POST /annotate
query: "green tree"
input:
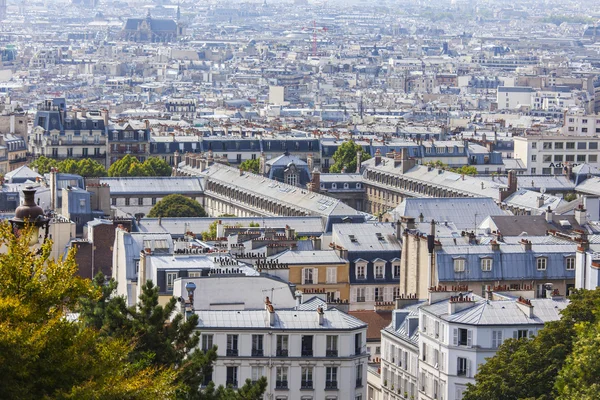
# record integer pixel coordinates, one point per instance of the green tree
(528, 369)
(251, 166)
(345, 157)
(173, 346)
(157, 167)
(123, 166)
(85, 167)
(211, 234)
(254, 225)
(43, 164)
(46, 354)
(177, 205)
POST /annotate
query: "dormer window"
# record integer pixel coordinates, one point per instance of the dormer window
(486, 264)
(459, 264)
(346, 186)
(541, 263)
(570, 263)
(334, 185)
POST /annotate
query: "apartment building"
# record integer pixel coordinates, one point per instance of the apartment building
(553, 154)
(306, 353)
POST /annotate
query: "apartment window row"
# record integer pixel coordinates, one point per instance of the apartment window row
(378, 270)
(432, 386)
(310, 276)
(487, 263)
(374, 293)
(548, 158)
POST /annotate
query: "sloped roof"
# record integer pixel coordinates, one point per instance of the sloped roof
(376, 321)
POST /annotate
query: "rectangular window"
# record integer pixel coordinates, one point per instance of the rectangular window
(593, 145)
(358, 345)
(547, 145)
(547, 158)
(486, 264)
(534, 145)
(140, 201)
(396, 270)
(570, 263)
(463, 337)
(307, 345)
(496, 339)
(257, 373)
(461, 367)
(592, 158)
(580, 157)
(306, 378)
(558, 145)
(207, 342)
(570, 145)
(541, 263)
(378, 294)
(570, 157)
(360, 272)
(331, 378)
(360, 294)
(194, 274)
(520, 334)
(282, 345)
(257, 345)
(533, 158)
(332, 346)
(307, 276)
(359, 375)
(546, 171)
(331, 274)
(533, 170)
(232, 345)
(127, 201)
(459, 265)
(281, 380)
(582, 145)
(171, 276)
(379, 271)
(232, 377)
(558, 158)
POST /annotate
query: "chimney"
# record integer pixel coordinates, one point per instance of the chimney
(310, 162)
(316, 242)
(580, 215)
(459, 303)
(321, 315)
(407, 163)
(526, 244)
(377, 157)
(495, 245)
(262, 164)
(549, 215)
(298, 296)
(398, 158)
(540, 201)
(270, 311)
(525, 306)
(315, 182)
(358, 161)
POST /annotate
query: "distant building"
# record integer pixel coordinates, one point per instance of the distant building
(150, 29)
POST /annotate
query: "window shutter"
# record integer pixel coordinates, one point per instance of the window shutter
(303, 275)
(315, 272)
(468, 368)
(530, 334)
(455, 337)
(353, 295)
(469, 338)
(499, 338)
(494, 339)
(370, 293)
(387, 293)
(515, 335)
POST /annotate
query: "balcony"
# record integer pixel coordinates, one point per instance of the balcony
(331, 385)
(281, 353)
(378, 276)
(232, 352)
(306, 384)
(378, 298)
(281, 384)
(257, 352)
(308, 282)
(17, 160)
(360, 299)
(461, 372)
(331, 353)
(307, 353)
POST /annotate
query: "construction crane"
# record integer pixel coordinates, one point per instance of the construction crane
(314, 36)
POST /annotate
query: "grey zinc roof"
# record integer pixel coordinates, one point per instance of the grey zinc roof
(459, 211)
(528, 199)
(304, 226)
(590, 186)
(284, 320)
(313, 203)
(501, 312)
(365, 237)
(350, 178)
(153, 185)
(309, 257)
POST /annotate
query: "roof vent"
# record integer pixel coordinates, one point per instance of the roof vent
(353, 238)
(565, 223)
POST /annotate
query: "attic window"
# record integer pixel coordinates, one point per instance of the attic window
(380, 237)
(353, 238)
(565, 223)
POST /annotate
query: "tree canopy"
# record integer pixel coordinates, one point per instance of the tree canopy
(211, 234)
(131, 166)
(560, 363)
(46, 354)
(251, 166)
(177, 205)
(345, 157)
(85, 167)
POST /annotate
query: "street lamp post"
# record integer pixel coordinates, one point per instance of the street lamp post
(30, 214)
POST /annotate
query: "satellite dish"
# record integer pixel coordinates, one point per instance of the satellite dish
(542, 190)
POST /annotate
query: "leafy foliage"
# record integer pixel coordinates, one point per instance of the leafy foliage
(465, 170)
(529, 368)
(173, 346)
(251, 166)
(211, 234)
(85, 167)
(131, 166)
(177, 205)
(44, 354)
(345, 157)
